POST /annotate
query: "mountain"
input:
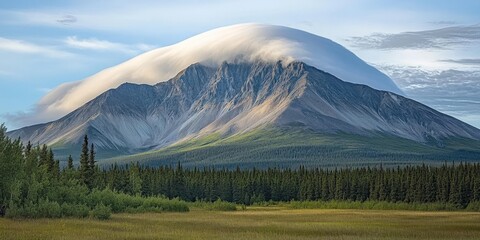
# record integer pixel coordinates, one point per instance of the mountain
(258, 94)
(238, 98)
(233, 44)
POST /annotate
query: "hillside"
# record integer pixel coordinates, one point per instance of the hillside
(292, 147)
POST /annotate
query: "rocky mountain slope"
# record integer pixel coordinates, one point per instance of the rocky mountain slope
(236, 98)
(233, 44)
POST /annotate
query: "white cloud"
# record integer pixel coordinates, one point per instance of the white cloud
(248, 42)
(104, 45)
(450, 91)
(19, 46)
(465, 61)
(44, 90)
(436, 38)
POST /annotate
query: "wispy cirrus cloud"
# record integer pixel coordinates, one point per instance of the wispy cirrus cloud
(67, 19)
(20, 46)
(104, 45)
(437, 38)
(464, 61)
(443, 22)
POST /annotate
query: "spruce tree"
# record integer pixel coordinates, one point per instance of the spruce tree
(91, 166)
(84, 163)
(43, 156)
(91, 159)
(70, 162)
(56, 169)
(135, 180)
(50, 161)
(28, 149)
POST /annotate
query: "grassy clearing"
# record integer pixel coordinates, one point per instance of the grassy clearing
(255, 223)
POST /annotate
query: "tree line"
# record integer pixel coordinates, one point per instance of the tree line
(456, 184)
(33, 185)
(30, 176)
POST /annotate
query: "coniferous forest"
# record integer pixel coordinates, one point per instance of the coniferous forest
(33, 184)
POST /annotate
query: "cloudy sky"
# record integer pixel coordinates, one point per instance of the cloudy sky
(431, 49)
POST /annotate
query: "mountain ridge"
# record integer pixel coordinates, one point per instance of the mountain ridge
(242, 43)
(238, 98)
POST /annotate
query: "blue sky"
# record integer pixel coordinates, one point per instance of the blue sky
(431, 49)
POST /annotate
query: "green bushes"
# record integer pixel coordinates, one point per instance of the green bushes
(42, 209)
(48, 209)
(96, 203)
(75, 210)
(121, 202)
(218, 205)
(163, 204)
(101, 212)
(375, 205)
(473, 206)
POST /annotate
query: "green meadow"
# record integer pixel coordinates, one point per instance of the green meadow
(254, 223)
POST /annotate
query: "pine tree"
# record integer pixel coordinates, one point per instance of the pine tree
(56, 169)
(476, 189)
(135, 180)
(84, 163)
(31, 161)
(70, 162)
(28, 149)
(50, 161)
(91, 159)
(92, 173)
(43, 156)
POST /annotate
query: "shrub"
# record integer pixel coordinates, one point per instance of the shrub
(377, 205)
(47, 209)
(164, 204)
(101, 212)
(473, 206)
(220, 205)
(13, 211)
(74, 210)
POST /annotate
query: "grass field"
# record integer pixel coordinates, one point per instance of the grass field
(255, 223)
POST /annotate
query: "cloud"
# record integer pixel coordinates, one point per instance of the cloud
(244, 42)
(104, 45)
(19, 46)
(465, 61)
(437, 38)
(443, 22)
(42, 111)
(450, 91)
(67, 19)
(44, 90)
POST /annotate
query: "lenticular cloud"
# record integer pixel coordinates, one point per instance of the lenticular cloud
(244, 42)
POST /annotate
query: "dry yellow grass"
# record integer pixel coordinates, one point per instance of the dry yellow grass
(255, 223)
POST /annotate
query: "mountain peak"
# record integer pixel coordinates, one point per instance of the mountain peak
(231, 44)
(236, 98)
